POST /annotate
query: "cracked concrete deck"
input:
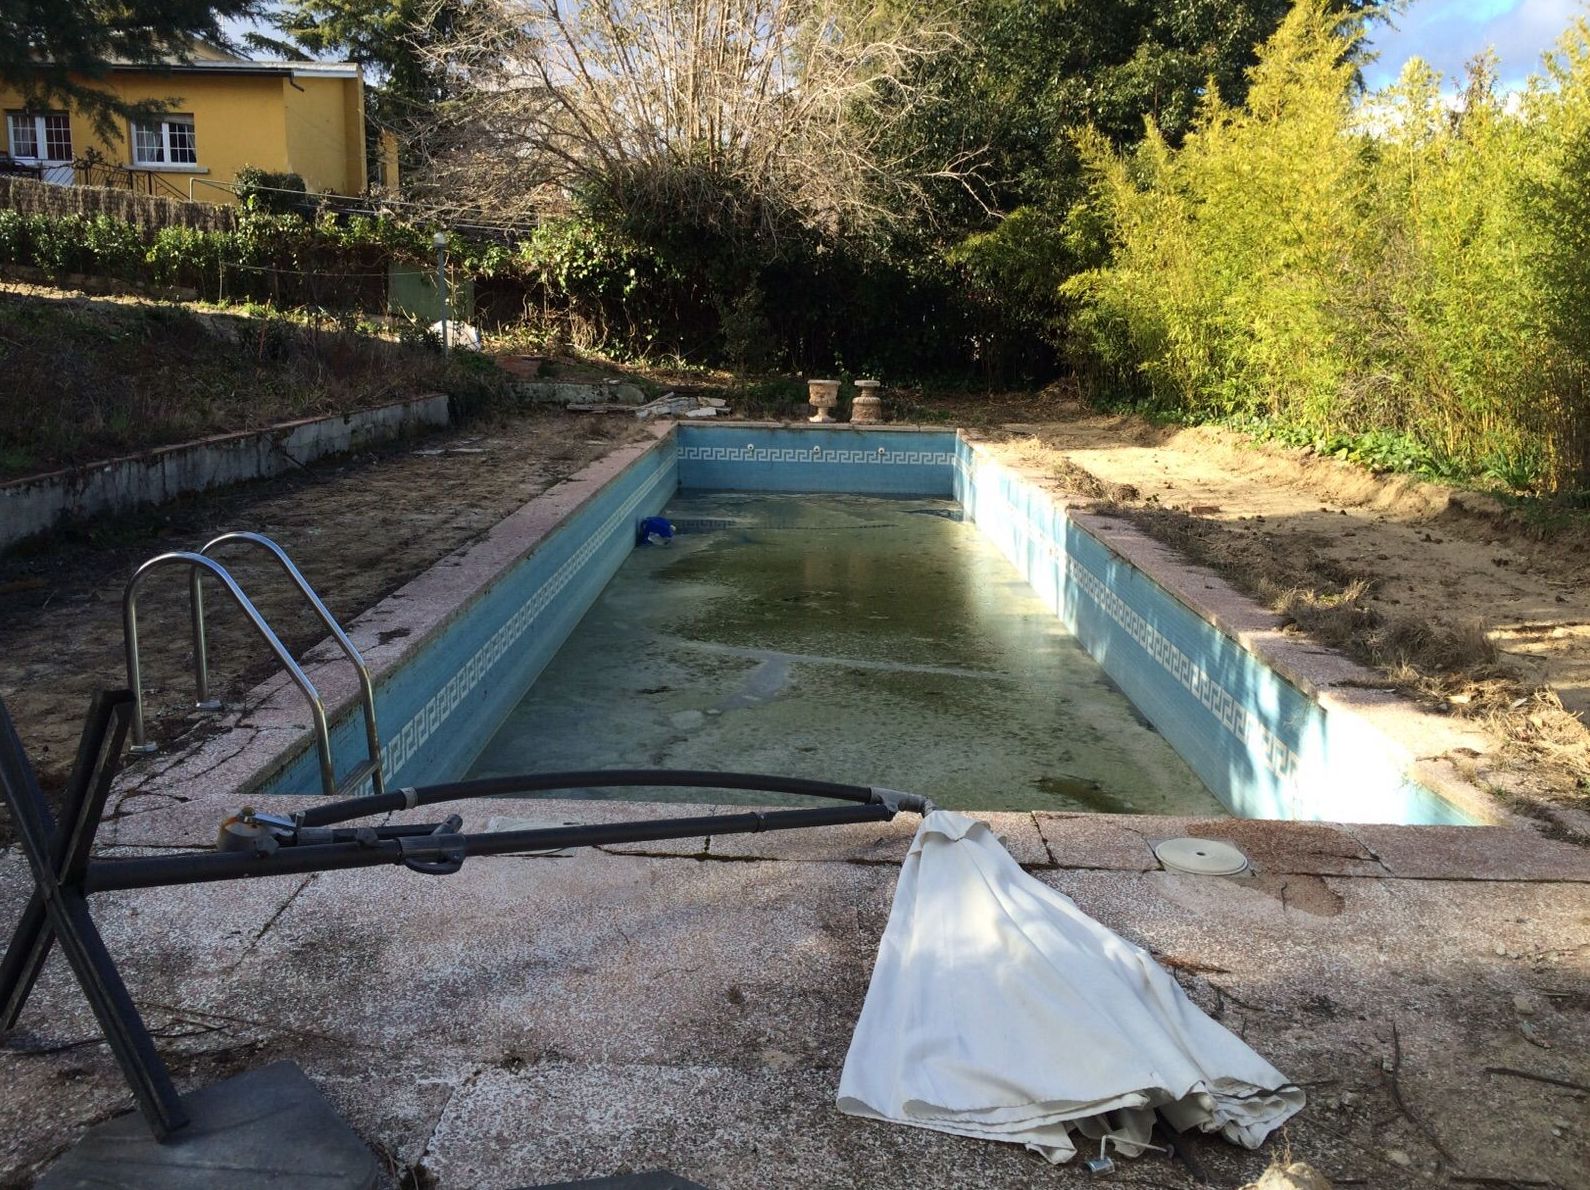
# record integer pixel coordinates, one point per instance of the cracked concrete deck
(688, 1004)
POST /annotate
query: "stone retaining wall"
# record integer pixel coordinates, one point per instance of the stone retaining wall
(36, 504)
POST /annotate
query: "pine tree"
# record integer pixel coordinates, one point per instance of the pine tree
(58, 52)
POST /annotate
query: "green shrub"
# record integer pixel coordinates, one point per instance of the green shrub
(113, 248)
(277, 193)
(187, 257)
(280, 258)
(747, 334)
(13, 232)
(1407, 286)
(56, 243)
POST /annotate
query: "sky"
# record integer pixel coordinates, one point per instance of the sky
(1447, 33)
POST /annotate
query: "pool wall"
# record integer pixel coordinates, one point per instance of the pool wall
(449, 697)
(1263, 746)
(863, 462)
(1267, 746)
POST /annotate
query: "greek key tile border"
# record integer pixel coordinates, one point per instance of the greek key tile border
(1242, 723)
(881, 455)
(1227, 708)
(425, 722)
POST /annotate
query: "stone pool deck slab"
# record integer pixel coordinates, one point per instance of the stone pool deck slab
(876, 842)
(595, 958)
(1126, 843)
(533, 1019)
(1439, 852)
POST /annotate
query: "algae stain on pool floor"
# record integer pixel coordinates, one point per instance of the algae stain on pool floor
(854, 638)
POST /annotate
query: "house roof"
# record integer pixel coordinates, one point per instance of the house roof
(323, 70)
(205, 58)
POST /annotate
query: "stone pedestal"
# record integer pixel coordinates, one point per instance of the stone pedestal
(822, 395)
(269, 1127)
(867, 407)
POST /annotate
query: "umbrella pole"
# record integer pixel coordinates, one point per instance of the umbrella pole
(1178, 1148)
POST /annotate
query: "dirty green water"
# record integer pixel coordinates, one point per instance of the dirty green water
(864, 639)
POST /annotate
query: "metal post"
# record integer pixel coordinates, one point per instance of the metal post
(201, 653)
(129, 623)
(440, 240)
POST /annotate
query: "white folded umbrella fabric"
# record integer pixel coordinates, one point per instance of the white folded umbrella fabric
(998, 1009)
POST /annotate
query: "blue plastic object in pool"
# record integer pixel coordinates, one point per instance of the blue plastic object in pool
(654, 530)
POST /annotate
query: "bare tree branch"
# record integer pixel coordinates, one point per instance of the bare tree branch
(755, 117)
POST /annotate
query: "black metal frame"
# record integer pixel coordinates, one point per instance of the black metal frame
(64, 874)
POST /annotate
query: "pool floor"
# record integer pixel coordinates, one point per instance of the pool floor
(866, 639)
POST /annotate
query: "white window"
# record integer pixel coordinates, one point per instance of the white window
(45, 137)
(164, 140)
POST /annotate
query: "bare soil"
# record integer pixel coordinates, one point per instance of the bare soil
(359, 528)
(1479, 608)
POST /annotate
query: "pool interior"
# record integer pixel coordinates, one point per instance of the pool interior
(870, 639)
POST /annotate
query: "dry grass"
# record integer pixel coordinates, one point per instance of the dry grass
(87, 379)
(1427, 658)
(1453, 668)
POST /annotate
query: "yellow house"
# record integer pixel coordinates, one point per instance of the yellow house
(224, 113)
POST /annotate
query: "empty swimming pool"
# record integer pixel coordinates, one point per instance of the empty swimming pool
(849, 637)
(827, 612)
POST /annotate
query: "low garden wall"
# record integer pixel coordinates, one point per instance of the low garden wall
(37, 504)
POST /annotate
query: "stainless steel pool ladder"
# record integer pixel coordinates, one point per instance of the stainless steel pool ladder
(197, 564)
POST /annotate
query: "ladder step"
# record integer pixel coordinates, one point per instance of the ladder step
(361, 772)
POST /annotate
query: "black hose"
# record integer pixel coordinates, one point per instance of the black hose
(425, 795)
(204, 867)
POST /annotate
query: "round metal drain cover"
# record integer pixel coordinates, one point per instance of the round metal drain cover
(1201, 857)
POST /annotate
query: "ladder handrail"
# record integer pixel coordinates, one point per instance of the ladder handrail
(200, 650)
(195, 563)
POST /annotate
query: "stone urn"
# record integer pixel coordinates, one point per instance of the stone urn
(866, 408)
(822, 395)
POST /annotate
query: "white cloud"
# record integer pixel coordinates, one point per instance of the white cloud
(1447, 33)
